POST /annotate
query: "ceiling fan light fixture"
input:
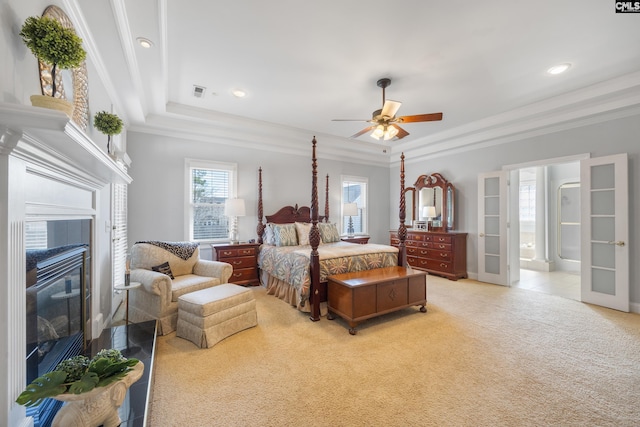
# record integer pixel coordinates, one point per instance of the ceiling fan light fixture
(391, 133)
(378, 132)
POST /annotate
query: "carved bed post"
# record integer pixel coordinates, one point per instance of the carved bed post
(314, 241)
(326, 201)
(402, 229)
(260, 228)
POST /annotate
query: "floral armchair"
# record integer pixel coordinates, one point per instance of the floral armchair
(166, 271)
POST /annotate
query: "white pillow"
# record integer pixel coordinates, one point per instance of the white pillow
(303, 229)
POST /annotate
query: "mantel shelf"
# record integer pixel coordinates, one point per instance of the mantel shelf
(51, 132)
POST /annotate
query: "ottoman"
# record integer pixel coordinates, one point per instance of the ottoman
(208, 316)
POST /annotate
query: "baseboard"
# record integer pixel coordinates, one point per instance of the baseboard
(634, 307)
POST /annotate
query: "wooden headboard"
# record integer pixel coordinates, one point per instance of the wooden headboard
(288, 214)
(291, 214)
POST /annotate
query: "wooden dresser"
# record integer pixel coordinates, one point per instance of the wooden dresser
(440, 253)
(244, 259)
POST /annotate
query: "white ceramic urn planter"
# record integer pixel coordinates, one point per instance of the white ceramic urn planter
(98, 407)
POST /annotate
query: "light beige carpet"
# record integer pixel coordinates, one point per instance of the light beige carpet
(483, 355)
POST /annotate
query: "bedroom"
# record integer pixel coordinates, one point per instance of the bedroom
(607, 123)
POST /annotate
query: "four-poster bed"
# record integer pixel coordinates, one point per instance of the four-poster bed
(297, 270)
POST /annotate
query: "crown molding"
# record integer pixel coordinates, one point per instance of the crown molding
(609, 100)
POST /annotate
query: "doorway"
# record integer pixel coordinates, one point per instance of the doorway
(545, 225)
(604, 228)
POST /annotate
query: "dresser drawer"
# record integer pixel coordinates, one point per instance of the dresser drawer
(436, 265)
(417, 262)
(416, 237)
(441, 239)
(440, 255)
(242, 262)
(240, 252)
(441, 246)
(244, 274)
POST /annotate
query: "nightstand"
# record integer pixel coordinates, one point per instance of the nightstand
(363, 240)
(244, 259)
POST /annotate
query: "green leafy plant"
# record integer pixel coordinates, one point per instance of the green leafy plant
(78, 375)
(109, 124)
(53, 44)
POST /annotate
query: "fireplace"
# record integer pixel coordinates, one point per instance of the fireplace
(52, 174)
(58, 305)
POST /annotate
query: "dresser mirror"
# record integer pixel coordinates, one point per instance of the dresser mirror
(410, 203)
(433, 202)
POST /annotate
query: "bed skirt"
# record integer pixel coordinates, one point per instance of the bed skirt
(286, 292)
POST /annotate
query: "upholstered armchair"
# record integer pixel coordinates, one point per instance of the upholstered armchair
(166, 271)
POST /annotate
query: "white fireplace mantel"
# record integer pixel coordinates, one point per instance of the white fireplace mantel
(53, 138)
(49, 167)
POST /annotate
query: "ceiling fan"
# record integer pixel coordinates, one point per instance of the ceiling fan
(384, 123)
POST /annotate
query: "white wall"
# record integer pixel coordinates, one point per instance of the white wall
(462, 169)
(157, 195)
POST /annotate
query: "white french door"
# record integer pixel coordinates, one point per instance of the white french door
(492, 228)
(605, 231)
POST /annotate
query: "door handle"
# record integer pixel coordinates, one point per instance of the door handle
(618, 243)
(481, 234)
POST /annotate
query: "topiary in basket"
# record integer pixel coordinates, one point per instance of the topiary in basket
(109, 124)
(52, 44)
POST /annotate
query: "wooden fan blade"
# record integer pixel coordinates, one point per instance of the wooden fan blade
(363, 131)
(351, 120)
(401, 132)
(390, 108)
(420, 118)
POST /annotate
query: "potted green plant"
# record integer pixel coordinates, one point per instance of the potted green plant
(56, 46)
(109, 124)
(83, 383)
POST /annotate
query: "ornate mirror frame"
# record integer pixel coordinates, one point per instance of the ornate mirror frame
(76, 80)
(443, 193)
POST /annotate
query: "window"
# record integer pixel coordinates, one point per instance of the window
(119, 243)
(209, 184)
(527, 206)
(354, 190)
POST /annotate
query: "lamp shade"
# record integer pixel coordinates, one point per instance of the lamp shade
(234, 207)
(350, 209)
(429, 211)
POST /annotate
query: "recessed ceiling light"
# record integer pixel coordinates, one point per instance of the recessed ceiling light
(239, 93)
(559, 69)
(145, 43)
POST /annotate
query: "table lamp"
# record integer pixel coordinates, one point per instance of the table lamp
(233, 208)
(429, 212)
(350, 209)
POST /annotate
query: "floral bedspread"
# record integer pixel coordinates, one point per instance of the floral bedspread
(291, 263)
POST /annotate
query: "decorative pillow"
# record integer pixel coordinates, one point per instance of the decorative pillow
(163, 268)
(285, 234)
(303, 229)
(268, 238)
(328, 232)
